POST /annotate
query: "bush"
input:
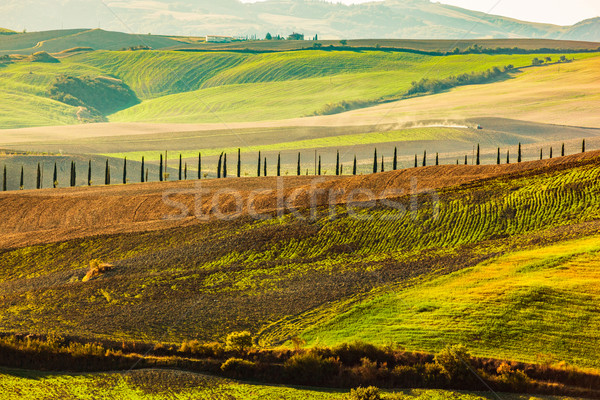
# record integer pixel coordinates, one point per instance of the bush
(238, 368)
(310, 368)
(368, 393)
(456, 362)
(239, 341)
(515, 378)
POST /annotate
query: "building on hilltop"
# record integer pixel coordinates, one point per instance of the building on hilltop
(218, 39)
(296, 36)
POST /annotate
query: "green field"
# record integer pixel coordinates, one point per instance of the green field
(179, 87)
(160, 384)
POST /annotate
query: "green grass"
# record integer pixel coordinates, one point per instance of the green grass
(182, 87)
(536, 305)
(160, 384)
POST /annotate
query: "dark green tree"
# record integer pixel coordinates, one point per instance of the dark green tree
(551, 155)
(225, 165)
(583, 146)
(478, 162)
(259, 161)
(298, 166)
(73, 174)
(107, 173)
(382, 165)
(125, 171)
(466, 161)
(337, 163)
(395, 160)
(219, 165)
(185, 171)
(520, 155)
(498, 158)
(562, 152)
(319, 170)
(142, 169)
(265, 167)
(508, 156)
(279, 164)
(437, 158)
(4, 182)
(416, 162)
(239, 163)
(375, 162)
(22, 182)
(425, 158)
(180, 167)
(354, 166)
(38, 180)
(89, 180)
(55, 177)
(160, 168)
(541, 154)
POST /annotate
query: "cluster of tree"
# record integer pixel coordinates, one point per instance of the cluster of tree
(342, 366)
(540, 61)
(426, 85)
(137, 47)
(478, 49)
(271, 37)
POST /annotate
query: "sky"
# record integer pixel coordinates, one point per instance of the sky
(559, 12)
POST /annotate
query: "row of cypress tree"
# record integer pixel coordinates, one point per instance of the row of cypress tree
(222, 172)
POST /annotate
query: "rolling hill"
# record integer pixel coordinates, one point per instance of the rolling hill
(386, 19)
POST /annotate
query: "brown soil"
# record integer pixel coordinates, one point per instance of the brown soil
(51, 215)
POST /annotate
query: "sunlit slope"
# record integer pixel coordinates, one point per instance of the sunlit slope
(270, 86)
(528, 304)
(566, 94)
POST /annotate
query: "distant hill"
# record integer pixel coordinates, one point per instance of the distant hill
(4, 31)
(97, 39)
(382, 19)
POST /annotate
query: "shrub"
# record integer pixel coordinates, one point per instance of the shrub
(239, 341)
(361, 393)
(455, 360)
(310, 368)
(238, 368)
(406, 376)
(515, 378)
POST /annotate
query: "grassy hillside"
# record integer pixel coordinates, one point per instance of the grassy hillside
(224, 87)
(263, 275)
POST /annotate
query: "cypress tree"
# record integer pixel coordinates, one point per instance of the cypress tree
(199, 166)
(508, 156)
(279, 164)
(225, 166)
(298, 167)
(166, 165)
(375, 162)
(107, 173)
(160, 169)
(4, 180)
(551, 152)
(457, 161)
(354, 166)
(55, 177)
(125, 171)
(219, 164)
(425, 158)
(265, 167)
(498, 159)
(382, 169)
(478, 162)
(142, 169)
(239, 163)
(466, 161)
(583, 146)
(437, 159)
(89, 181)
(319, 171)
(38, 181)
(22, 184)
(337, 163)
(341, 169)
(519, 156)
(395, 160)
(185, 172)
(562, 152)
(541, 154)
(258, 169)
(416, 161)
(73, 174)
(180, 166)
(146, 174)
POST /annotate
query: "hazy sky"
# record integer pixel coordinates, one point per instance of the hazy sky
(560, 12)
